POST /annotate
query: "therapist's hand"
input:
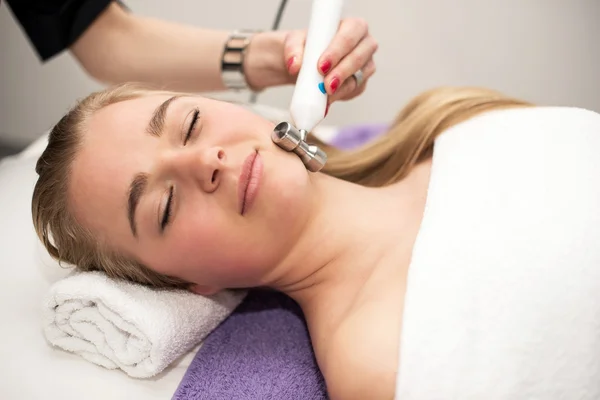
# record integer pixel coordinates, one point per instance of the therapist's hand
(351, 49)
(275, 58)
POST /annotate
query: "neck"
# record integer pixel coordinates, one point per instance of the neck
(350, 228)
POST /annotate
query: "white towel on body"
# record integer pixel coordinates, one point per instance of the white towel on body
(503, 294)
(118, 324)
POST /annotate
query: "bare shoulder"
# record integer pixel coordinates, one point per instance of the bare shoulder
(359, 356)
(361, 360)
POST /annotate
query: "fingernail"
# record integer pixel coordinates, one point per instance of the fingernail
(325, 66)
(335, 82)
(326, 110)
(290, 61)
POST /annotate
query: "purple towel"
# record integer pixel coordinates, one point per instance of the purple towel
(353, 136)
(262, 351)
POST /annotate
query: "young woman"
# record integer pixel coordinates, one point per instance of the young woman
(173, 190)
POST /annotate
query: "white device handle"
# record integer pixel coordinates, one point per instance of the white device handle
(309, 100)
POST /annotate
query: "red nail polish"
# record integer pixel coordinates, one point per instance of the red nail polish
(326, 110)
(290, 61)
(335, 82)
(326, 66)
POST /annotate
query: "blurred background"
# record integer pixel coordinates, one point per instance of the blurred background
(544, 51)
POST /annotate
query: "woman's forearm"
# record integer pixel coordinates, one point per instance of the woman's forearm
(121, 47)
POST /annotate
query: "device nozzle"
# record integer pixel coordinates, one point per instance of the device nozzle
(289, 138)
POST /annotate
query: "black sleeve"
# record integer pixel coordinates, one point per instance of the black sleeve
(53, 25)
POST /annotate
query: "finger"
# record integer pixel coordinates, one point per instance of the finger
(340, 82)
(349, 34)
(293, 50)
(350, 89)
(358, 58)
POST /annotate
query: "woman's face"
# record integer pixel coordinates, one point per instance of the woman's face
(191, 187)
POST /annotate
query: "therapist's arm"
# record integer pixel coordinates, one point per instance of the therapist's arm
(121, 47)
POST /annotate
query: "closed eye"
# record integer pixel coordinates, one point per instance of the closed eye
(166, 217)
(193, 122)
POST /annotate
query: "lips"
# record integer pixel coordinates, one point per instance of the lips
(249, 181)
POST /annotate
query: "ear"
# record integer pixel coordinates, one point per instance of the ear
(204, 290)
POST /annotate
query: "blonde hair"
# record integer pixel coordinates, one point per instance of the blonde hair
(381, 162)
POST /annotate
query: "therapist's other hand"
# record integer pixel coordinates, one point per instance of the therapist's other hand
(351, 49)
(274, 58)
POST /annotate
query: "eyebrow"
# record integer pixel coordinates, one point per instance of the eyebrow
(136, 190)
(157, 122)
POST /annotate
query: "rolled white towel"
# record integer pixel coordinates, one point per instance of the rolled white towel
(131, 327)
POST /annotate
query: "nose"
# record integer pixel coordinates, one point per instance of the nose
(199, 166)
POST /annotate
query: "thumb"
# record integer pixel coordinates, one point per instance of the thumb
(293, 51)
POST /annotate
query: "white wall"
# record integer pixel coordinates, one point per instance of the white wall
(542, 50)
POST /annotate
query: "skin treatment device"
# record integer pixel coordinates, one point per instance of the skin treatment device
(309, 101)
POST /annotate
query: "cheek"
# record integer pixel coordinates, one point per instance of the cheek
(201, 235)
(288, 193)
(215, 249)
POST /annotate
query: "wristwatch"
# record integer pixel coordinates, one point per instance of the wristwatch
(232, 60)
